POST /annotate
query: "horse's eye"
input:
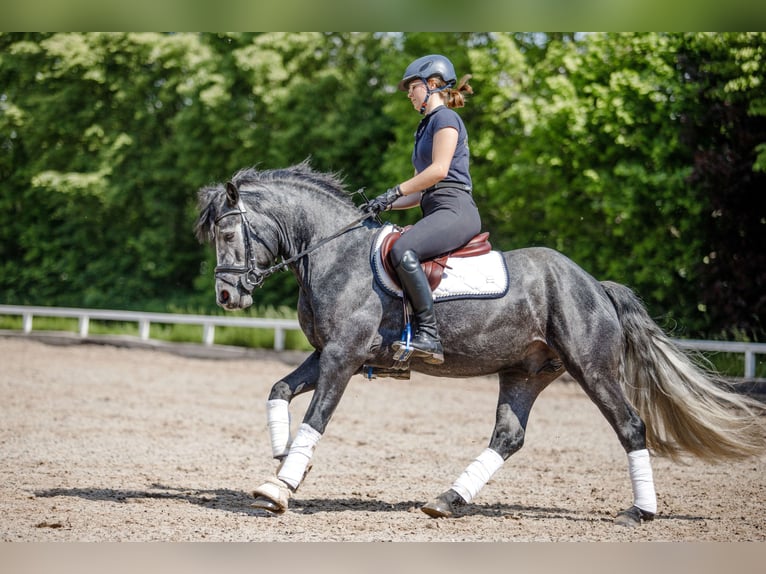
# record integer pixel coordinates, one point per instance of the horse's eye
(229, 236)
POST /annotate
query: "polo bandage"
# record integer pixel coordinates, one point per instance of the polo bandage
(477, 474)
(640, 468)
(278, 416)
(294, 467)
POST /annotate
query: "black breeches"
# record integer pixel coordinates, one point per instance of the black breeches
(450, 220)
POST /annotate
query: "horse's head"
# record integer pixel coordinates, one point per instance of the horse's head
(242, 257)
(259, 216)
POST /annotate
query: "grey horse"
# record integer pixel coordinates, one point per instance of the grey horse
(554, 318)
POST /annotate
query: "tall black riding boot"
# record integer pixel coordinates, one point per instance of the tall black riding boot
(425, 342)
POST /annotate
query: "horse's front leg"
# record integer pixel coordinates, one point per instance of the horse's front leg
(273, 494)
(334, 369)
(301, 380)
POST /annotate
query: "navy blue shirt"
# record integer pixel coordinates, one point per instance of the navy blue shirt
(422, 154)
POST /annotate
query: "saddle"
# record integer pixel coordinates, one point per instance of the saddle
(434, 267)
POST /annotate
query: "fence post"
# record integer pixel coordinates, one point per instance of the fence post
(143, 329)
(279, 339)
(208, 334)
(749, 365)
(26, 322)
(84, 322)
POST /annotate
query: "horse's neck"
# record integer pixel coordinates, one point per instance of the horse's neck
(304, 217)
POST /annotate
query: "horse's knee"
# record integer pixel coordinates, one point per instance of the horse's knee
(301, 380)
(281, 390)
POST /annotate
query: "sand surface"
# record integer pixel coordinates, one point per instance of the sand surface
(101, 443)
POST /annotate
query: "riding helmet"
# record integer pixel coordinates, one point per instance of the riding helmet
(427, 66)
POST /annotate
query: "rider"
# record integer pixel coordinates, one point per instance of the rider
(441, 186)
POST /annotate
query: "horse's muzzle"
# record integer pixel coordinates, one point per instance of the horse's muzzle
(232, 292)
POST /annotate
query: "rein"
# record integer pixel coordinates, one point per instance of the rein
(251, 276)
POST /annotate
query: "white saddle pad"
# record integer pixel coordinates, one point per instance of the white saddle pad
(478, 277)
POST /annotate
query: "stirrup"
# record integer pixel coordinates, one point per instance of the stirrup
(433, 358)
(403, 349)
(406, 349)
(430, 357)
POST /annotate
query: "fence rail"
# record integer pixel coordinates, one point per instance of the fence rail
(144, 320)
(280, 326)
(750, 350)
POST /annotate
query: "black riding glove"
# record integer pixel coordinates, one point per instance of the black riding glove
(384, 201)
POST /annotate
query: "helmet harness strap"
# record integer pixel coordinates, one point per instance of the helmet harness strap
(429, 91)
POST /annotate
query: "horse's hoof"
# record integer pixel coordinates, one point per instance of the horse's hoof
(444, 505)
(273, 495)
(632, 517)
(263, 503)
(437, 509)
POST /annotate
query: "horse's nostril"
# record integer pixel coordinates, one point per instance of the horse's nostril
(224, 296)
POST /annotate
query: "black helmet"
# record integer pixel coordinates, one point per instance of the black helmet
(427, 66)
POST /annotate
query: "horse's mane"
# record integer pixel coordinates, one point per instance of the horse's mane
(301, 174)
(211, 198)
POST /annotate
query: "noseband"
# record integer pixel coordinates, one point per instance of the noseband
(250, 275)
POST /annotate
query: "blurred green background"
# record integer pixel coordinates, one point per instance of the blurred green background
(640, 155)
(365, 15)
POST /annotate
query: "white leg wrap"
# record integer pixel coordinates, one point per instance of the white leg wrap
(301, 450)
(278, 415)
(640, 468)
(477, 474)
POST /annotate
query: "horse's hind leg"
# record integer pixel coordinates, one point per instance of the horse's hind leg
(517, 395)
(602, 386)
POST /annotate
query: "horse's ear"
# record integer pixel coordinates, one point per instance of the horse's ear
(232, 194)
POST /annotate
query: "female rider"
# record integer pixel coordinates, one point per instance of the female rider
(441, 186)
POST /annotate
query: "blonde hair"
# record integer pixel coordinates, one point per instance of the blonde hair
(454, 97)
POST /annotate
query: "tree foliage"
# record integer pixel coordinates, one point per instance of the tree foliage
(641, 156)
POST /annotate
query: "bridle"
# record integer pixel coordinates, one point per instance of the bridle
(251, 276)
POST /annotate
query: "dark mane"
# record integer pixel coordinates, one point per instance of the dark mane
(211, 198)
(301, 175)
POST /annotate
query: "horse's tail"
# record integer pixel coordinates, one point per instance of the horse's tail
(686, 407)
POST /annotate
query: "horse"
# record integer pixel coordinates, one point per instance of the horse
(554, 318)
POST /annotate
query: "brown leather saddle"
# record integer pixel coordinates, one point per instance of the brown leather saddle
(433, 268)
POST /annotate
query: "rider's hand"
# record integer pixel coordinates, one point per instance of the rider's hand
(384, 201)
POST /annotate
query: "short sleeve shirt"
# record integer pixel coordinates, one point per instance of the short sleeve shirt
(422, 154)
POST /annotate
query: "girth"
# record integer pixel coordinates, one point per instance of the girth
(433, 268)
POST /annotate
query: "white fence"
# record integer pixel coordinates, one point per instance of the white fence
(210, 322)
(749, 349)
(144, 320)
